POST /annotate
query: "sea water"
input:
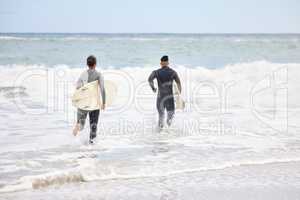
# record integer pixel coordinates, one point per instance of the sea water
(238, 137)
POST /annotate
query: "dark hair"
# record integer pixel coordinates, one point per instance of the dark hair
(164, 59)
(91, 61)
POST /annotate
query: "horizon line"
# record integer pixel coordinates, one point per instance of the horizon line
(182, 33)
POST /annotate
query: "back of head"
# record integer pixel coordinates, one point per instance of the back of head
(164, 59)
(91, 61)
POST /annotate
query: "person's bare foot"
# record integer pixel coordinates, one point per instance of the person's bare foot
(76, 129)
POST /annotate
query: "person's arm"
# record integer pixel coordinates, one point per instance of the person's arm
(82, 80)
(150, 80)
(177, 80)
(79, 83)
(102, 89)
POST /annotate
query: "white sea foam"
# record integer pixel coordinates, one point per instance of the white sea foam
(91, 171)
(11, 38)
(220, 130)
(237, 80)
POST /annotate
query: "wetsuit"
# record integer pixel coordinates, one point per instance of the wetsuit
(165, 98)
(88, 76)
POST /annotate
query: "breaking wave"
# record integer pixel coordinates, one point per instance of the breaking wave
(91, 172)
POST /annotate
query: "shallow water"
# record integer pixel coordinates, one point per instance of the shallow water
(237, 138)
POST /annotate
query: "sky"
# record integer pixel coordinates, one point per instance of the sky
(151, 16)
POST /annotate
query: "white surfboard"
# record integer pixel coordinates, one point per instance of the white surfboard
(179, 102)
(88, 97)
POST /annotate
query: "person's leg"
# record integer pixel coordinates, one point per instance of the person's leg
(94, 116)
(170, 117)
(161, 112)
(170, 106)
(81, 117)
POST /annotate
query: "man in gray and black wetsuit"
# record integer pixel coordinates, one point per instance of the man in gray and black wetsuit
(88, 76)
(165, 98)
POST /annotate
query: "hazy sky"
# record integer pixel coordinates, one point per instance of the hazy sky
(179, 16)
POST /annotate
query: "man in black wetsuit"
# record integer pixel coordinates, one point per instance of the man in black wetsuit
(165, 98)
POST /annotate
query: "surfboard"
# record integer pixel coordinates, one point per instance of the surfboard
(88, 97)
(179, 102)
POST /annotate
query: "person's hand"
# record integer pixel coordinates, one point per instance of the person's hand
(76, 129)
(103, 107)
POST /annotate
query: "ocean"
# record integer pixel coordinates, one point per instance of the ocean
(238, 137)
(140, 50)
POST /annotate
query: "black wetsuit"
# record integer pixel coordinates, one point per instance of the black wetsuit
(165, 98)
